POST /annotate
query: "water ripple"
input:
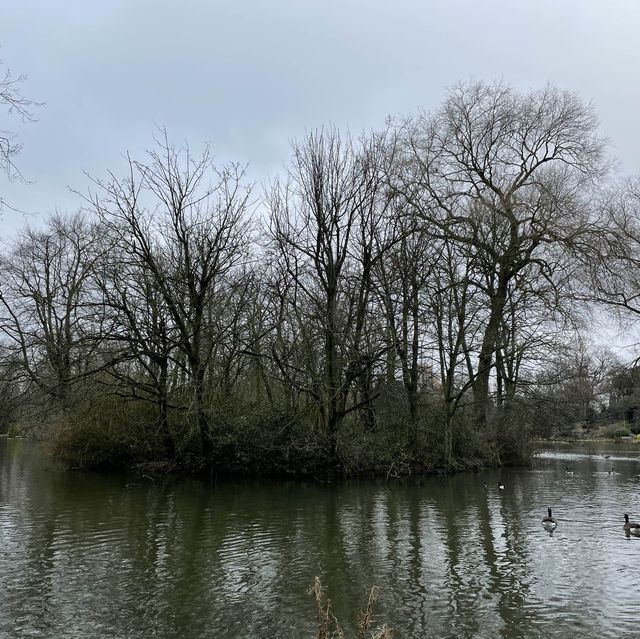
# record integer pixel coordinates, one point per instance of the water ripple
(93, 556)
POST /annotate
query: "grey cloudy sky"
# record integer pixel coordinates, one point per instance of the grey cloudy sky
(248, 75)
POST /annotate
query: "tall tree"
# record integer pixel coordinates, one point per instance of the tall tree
(402, 282)
(138, 334)
(504, 174)
(325, 223)
(43, 304)
(184, 223)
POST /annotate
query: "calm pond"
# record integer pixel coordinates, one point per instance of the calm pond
(88, 556)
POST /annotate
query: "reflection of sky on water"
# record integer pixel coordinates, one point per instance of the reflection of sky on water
(104, 556)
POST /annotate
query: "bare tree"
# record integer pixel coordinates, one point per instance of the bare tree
(507, 175)
(16, 104)
(455, 308)
(137, 332)
(612, 268)
(44, 317)
(402, 281)
(325, 225)
(183, 222)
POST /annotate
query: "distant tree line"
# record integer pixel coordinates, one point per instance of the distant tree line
(406, 299)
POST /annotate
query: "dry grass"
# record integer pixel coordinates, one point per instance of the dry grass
(329, 626)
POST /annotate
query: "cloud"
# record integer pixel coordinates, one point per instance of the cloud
(249, 75)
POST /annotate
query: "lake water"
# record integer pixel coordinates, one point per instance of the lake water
(93, 556)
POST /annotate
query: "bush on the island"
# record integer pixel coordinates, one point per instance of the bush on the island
(616, 431)
(104, 435)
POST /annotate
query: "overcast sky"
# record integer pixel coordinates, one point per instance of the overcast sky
(249, 75)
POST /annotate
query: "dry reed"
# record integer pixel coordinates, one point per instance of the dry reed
(329, 626)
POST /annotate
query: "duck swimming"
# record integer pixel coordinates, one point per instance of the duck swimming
(631, 527)
(549, 522)
(500, 486)
(566, 470)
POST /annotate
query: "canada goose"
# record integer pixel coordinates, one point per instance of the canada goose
(500, 486)
(631, 527)
(606, 456)
(484, 483)
(566, 470)
(612, 471)
(549, 522)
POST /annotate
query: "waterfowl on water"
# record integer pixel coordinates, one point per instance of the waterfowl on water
(484, 483)
(612, 471)
(631, 527)
(606, 456)
(500, 486)
(566, 470)
(549, 522)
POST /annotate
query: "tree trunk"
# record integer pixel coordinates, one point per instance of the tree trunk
(163, 410)
(487, 350)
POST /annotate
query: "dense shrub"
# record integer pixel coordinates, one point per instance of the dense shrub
(262, 439)
(635, 428)
(267, 440)
(105, 434)
(8, 406)
(615, 431)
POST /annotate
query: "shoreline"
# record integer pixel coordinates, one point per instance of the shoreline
(323, 471)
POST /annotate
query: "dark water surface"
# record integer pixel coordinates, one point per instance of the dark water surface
(91, 556)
